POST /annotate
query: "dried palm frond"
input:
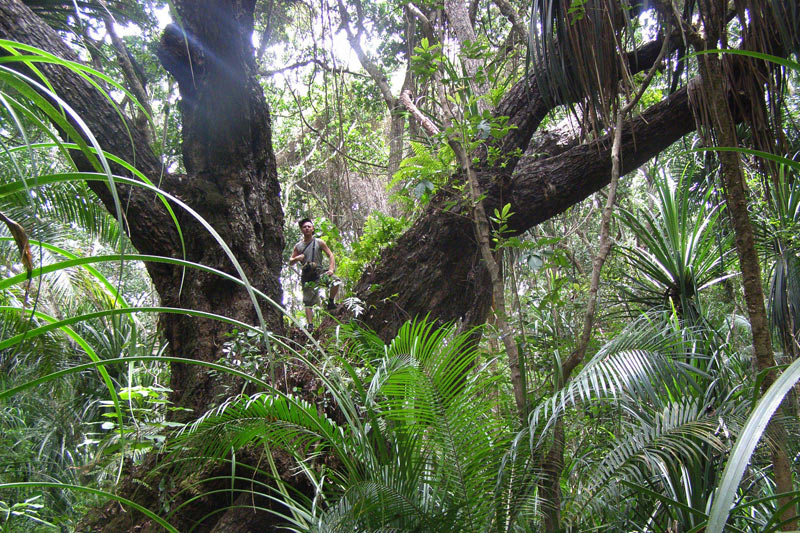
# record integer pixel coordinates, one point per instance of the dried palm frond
(579, 44)
(754, 84)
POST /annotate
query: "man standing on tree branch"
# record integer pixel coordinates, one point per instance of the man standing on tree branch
(309, 253)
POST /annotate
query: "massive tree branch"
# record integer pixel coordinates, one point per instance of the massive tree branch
(517, 25)
(526, 106)
(541, 189)
(435, 267)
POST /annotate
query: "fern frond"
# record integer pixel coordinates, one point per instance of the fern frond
(281, 421)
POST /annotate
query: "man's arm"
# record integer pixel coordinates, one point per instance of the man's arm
(296, 256)
(332, 265)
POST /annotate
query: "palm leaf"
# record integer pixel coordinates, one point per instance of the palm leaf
(739, 458)
(419, 448)
(643, 361)
(657, 449)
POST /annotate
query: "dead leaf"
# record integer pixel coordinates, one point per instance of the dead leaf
(21, 239)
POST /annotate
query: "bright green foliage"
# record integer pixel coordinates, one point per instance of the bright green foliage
(667, 424)
(779, 227)
(421, 175)
(679, 254)
(380, 231)
(418, 448)
(54, 433)
(409, 435)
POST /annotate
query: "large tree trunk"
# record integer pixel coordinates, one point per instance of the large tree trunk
(231, 177)
(231, 182)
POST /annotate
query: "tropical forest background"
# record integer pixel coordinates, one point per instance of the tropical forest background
(568, 235)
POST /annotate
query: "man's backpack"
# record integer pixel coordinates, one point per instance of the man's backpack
(310, 271)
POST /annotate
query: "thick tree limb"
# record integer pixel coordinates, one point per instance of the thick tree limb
(526, 106)
(544, 188)
(132, 76)
(435, 267)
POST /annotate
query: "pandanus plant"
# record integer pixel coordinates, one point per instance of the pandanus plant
(679, 254)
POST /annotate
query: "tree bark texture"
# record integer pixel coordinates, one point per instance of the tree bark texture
(435, 267)
(231, 176)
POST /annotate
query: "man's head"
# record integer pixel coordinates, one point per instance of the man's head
(306, 226)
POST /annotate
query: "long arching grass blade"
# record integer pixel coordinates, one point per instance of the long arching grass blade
(60, 324)
(55, 178)
(124, 360)
(41, 484)
(76, 260)
(751, 433)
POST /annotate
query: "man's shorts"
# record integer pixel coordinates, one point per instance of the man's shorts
(311, 289)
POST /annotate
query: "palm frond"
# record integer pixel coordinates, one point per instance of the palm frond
(777, 231)
(658, 449)
(282, 420)
(751, 433)
(784, 296)
(644, 361)
(419, 449)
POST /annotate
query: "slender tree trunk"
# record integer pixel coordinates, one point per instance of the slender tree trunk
(554, 464)
(136, 86)
(555, 459)
(552, 468)
(715, 92)
(458, 16)
(483, 234)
